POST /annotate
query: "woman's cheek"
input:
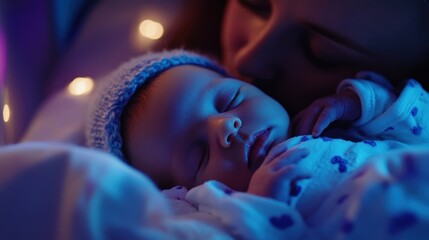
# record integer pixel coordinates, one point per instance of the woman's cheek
(238, 30)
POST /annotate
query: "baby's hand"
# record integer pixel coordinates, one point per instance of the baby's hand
(278, 172)
(317, 117)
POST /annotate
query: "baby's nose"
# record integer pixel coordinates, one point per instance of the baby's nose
(225, 128)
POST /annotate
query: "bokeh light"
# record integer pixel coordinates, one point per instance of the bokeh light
(6, 113)
(81, 86)
(151, 29)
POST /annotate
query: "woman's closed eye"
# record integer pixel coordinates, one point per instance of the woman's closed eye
(312, 53)
(327, 50)
(258, 7)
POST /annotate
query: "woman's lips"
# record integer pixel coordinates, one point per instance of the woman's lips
(258, 148)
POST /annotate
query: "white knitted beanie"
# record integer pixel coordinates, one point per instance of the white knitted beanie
(103, 130)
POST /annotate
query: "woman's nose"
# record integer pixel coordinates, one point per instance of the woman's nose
(224, 128)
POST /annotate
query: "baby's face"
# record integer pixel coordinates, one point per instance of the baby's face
(198, 126)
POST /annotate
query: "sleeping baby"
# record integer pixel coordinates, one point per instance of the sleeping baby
(179, 118)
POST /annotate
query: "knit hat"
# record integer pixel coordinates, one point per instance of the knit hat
(112, 95)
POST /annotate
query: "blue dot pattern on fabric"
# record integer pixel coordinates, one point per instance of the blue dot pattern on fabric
(370, 142)
(326, 139)
(228, 191)
(347, 226)
(416, 130)
(412, 83)
(414, 111)
(336, 159)
(342, 199)
(342, 163)
(401, 222)
(342, 168)
(282, 222)
(305, 138)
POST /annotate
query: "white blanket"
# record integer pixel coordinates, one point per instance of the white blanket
(58, 191)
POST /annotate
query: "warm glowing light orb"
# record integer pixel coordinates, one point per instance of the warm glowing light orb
(80, 86)
(6, 113)
(151, 29)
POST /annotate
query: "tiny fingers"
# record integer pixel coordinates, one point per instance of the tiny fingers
(294, 172)
(291, 156)
(326, 117)
(276, 151)
(306, 120)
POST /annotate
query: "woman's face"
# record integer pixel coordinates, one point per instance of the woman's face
(299, 50)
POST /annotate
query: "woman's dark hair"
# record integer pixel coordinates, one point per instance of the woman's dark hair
(199, 28)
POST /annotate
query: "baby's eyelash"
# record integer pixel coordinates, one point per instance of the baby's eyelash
(230, 103)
